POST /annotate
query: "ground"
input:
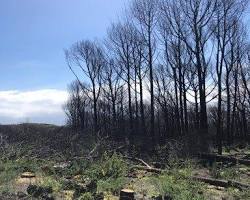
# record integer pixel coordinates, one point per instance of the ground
(44, 168)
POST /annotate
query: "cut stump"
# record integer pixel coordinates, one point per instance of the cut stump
(28, 175)
(127, 194)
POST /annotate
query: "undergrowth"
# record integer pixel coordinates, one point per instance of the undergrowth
(176, 184)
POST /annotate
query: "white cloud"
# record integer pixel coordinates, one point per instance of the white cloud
(43, 106)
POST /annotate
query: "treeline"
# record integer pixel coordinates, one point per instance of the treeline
(169, 68)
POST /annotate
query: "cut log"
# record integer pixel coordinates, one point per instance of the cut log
(127, 194)
(221, 158)
(222, 183)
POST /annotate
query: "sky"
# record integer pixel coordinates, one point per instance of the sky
(34, 34)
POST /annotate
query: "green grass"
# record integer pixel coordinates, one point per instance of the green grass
(241, 195)
(111, 185)
(10, 169)
(52, 182)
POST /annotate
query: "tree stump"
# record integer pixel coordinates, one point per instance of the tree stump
(127, 194)
(28, 175)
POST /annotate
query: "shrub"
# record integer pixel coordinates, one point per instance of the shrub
(109, 173)
(113, 166)
(182, 189)
(111, 185)
(230, 173)
(51, 182)
(86, 196)
(109, 167)
(77, 167)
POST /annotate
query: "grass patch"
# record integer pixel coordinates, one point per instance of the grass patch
(10, 169)
(111, 185)
(230, 174)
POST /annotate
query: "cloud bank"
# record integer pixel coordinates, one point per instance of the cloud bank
(39, 106)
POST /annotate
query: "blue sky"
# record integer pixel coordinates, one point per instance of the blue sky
(34, 34)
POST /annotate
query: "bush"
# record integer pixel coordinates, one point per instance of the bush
(113, 167)
(109, 167)
(109, 173)
(40, 192)
(86, 196)
(230, 173)
(177, 188)
(77, 167)
(51, 182)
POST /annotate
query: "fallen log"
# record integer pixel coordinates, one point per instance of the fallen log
(138, 160)
(211, 181)
(222, 158)
(221, 183)
(151, 169)
(238, 185)
(146, 166)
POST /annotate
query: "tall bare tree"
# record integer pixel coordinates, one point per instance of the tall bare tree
(145, 13)
(88, 57)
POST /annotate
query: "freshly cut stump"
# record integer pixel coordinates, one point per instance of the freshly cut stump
(127, 194)
(28, 175)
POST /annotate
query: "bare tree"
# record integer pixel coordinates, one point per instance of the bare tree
(112, 85)
(77, 106)
(88, 57)
(145, 12)
(120, 38)
(226, 19)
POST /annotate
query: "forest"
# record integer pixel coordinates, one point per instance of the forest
(166, 69)
(159, 110)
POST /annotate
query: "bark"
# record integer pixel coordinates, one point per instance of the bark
(151, 79)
